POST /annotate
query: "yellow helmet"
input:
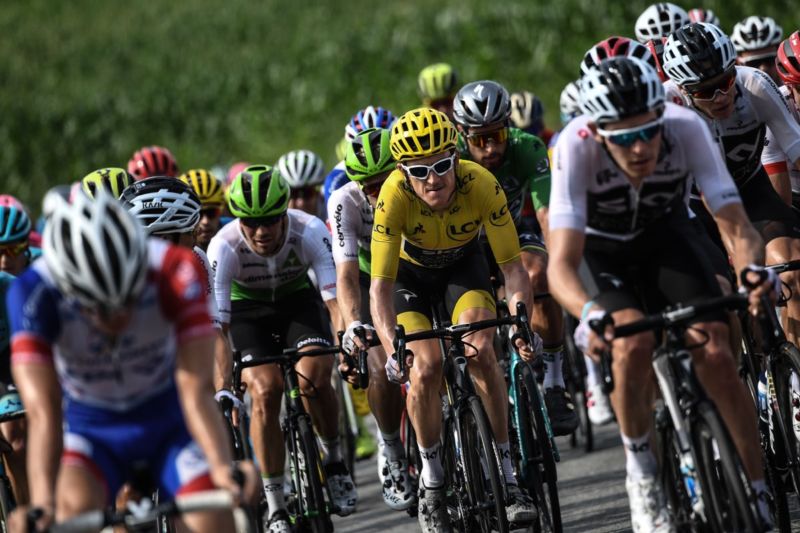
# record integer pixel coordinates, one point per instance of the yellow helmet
(206, 185)
(437, 82)
(113, 180)
(422, 132)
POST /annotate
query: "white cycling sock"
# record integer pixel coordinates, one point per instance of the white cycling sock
(273, 490)
(592, 372)
(432, 474)
(508, 468)
(639, 459)
(553, 377)
(393, 446)
(331, 450)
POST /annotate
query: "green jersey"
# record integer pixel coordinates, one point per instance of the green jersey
(525, 170)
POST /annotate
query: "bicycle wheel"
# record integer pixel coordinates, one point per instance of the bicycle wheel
(409, 438)
(784, 365)
(539, 468)
(482, 469)
(348, 439)
(7, 503)
(575, 372)
(671, 478)
(308, 478)
(726, 494)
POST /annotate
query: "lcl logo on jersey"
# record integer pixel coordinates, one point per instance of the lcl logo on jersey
(500, 217)
(457, 233)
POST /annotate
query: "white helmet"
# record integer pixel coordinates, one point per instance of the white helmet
(570, 102)
(620, 87)
(659, 20)
(95, 250)
(301, 168)
(615, 47)
(162, 205)
(704, 15)
(697, 52)
(755, 33)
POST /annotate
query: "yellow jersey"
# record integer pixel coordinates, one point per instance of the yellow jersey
(405, 227)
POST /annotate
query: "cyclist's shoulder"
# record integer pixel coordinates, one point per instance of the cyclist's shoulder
(524, 142)
(347, 193)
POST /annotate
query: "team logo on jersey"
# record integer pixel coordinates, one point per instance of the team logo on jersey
(500, 217)
(464, 232)
(292, 261)
(543, 165)
(418, 229)
(455, 209)
(383, 230)
(407, 294)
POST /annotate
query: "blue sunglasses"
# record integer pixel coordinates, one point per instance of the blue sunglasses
(629, 136)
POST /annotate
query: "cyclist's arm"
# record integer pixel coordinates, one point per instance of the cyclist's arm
(542, 215)
(517, 284)
(223, 360)
(743, 242)
(319, 244)
(348, 291)
(381, 306)
(774, 111)
(41, 395)
(344, 219)
(565, 250)
(775, 163)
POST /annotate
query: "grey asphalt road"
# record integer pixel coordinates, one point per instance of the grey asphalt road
(591, 490)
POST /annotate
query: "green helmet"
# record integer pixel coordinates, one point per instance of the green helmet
(258, 191)
(436, 82)
(368, 154)
(113, 180)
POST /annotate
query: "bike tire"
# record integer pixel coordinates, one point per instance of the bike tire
(348, 440)
(726, 493)
(540, 475)
(309, 478)
(7, 503)
(485, 485)
(575, 372)
(786, 363)
(667, 449)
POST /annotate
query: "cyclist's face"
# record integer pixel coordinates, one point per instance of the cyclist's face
(13, 259)
(305, 199)
(265, 239)
(110, 323)
(208, 226)
(436, 191)
(639, 159)
(487, 145)
(795, 90)
(719, 107)
(763, 59)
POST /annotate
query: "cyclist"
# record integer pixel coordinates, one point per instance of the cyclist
(437, 84)
(527, 114)
(569, 108)
(120, 325)
(351, 209)
(704, 15)
(15, 256)
(425, 244)
(152, 161)
(621, 172)
(112, 180)
(521, 165)
(656, 23)
(267, 303)
(304, 171)
(211, 192)
(615, 47)
(775, 161)
(756, 41)
(369, 117)
(738, 104)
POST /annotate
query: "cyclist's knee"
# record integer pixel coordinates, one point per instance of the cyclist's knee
(426, 373)
(536, 266)
(485, 359)
(716, 358)
(267, 395)
(633, 355)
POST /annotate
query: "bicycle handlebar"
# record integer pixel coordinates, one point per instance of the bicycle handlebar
(289, 355)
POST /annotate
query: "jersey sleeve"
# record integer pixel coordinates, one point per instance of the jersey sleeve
(706, 163)
(317, 241)
(540, 179)
(772, 109)
(33, 317)
(390, 213)
(344, 220)
(213, 309)
(182, 294)
(773, 158)
(500, 229)
(571, 170)
(224, 267)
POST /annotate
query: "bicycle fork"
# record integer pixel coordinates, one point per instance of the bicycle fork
(666, 377)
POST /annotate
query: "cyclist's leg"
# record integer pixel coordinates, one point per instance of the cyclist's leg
(14, 434)
(781, 250)
(88, 476)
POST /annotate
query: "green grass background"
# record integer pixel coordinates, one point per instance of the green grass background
(83, 83)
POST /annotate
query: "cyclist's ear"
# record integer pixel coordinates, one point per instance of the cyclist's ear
(593, 128)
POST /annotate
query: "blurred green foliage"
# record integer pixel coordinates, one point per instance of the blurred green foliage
(87, 82)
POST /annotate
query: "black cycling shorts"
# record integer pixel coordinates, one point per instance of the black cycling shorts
(663, 266)
(460, 286)
(267, 328)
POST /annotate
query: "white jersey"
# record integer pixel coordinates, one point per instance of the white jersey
(591, 194)
(741, 136)
(213, 309)
(241, 274)
(773, 153)
(350, 216)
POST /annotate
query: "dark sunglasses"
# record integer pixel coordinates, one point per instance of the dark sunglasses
(210, 212)
(264, 222)
(303, 193)
(627, 137)
(13, 250)
(482, 139)
(421, 172)
(758, 62)
(709, 92)
(372, 188)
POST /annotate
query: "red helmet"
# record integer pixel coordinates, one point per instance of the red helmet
(788, 60)
(656, 47)
(615, 47)
(153, 161)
